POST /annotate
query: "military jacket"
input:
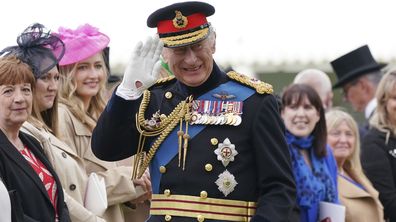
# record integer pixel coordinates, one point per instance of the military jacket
(260, 168)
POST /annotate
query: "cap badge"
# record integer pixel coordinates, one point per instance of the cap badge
(226, 182)
(180, 21)
(226, 152)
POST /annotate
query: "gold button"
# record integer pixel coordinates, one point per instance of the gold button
(162, 169)
(167, 192)
(168, 95)
(168, 217)
(214, 141)
(200, 218)
(203, 194)
(208, 167)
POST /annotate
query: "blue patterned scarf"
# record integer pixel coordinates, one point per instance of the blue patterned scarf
(313, 185)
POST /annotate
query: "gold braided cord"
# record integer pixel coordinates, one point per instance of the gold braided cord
(164, 80)
(180, 134)
(186, 38)
(138, 157)
(165, 122)
(143, 106)
(187, 35)
(166, 126)
(186, 136)
(259, 86)
(160, 139)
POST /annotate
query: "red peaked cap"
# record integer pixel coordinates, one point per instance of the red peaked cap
(182, 24)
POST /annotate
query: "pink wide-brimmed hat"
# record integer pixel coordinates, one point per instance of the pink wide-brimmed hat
(81, 43)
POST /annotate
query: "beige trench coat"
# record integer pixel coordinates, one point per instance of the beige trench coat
(70, 170)
(119, 186)
(360, 205)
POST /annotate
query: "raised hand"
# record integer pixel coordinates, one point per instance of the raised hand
(143, 69)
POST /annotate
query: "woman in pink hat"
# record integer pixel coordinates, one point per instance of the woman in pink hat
(82, 99)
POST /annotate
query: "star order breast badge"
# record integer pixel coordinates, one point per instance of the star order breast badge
(226, 182)
(226, 152)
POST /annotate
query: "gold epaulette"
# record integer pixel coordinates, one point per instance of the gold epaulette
(164, 80)
(260, 86)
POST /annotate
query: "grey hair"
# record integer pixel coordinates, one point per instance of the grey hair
(212, 33)
(374, 77)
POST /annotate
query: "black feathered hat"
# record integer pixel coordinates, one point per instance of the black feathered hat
(38, 48)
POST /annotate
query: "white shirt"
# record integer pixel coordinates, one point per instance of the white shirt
(369, 110)
(5, 204)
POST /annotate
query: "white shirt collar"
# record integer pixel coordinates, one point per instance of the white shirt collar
(368, 111)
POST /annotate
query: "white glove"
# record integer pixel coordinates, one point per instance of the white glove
(143, 69)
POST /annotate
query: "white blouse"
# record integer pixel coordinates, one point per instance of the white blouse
(5, 204)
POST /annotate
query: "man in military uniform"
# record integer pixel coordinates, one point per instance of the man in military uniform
(214, 142)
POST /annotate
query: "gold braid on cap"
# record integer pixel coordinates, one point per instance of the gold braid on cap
(260, 86)
(166, 125)
(186, 38)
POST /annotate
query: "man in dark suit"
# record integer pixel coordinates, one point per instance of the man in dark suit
(214, 141)
(358, 75)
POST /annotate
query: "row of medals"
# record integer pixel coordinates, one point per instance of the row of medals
(208, 112)
(232, 119)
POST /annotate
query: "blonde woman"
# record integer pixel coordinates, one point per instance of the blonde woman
(83, 75)
(379, 145)
(356, 192)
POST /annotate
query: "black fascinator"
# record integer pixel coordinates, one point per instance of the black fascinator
(37, 47)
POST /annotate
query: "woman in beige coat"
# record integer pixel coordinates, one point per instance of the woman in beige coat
(69, 168)
(83, 75)
(356, 192)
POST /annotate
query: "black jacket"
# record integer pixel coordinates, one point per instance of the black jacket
(379, 164)
(25, 187)
(262, 167)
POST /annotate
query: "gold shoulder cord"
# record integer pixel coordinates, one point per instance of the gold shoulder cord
(260, 86)
(167, 124)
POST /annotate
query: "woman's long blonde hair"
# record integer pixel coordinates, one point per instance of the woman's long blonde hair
(380, 119)
(69, 96)
(352, 164)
